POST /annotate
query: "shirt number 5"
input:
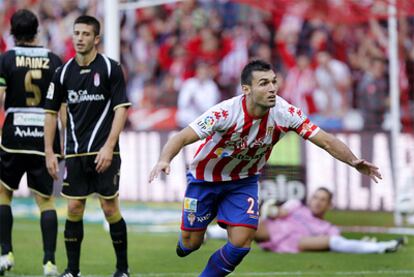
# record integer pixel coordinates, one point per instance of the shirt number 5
(32, 100)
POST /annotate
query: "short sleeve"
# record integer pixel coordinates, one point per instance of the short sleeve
(118, 88)
(214, 119)
(295, 120)
(307, 129)
(55, 93)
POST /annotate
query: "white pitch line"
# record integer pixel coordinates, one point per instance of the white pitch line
(276, 273)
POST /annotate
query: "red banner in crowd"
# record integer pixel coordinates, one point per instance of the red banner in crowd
(160, 119)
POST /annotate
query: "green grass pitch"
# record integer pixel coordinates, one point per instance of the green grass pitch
(153, 254)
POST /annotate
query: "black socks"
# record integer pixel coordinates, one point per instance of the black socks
(6, 224)
(118, 232)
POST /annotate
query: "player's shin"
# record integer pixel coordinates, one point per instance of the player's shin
(181, 250)
(49, 226)
(118, 232)
(224, 261)
(6, 219)
(73, 240)
(189, 241)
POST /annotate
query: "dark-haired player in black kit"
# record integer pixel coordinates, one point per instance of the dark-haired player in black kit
(25, 73)
(93, 87)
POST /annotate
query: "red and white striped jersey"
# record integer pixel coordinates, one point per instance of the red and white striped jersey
(238, 145)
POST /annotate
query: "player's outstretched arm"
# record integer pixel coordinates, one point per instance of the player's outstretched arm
(170, 150)
(49, 136)
(340, 151)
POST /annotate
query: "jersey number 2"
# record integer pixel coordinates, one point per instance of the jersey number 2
(250, 210)
(35, 95)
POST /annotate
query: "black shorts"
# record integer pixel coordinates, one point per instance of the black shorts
(14, 165)
(81, 178)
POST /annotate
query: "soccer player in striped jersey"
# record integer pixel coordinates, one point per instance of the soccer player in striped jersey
(239, 135)
(93, 87)
(25, 74)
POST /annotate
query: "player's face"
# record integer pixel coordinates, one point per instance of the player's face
(84, 38)
(320, 203)
(264, 88)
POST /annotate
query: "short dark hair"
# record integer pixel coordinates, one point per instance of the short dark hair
(255, 65)
(89, 20)
(330, 193)
(24, 25)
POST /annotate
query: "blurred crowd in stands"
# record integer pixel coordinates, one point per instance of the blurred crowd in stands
(184, 57)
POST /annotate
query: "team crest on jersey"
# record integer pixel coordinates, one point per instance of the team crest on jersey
(50, 91)
(190, 204)
(237, 142)
(191, 218)
(96, 79)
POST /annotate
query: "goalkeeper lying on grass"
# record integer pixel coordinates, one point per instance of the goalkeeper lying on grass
(294, 227)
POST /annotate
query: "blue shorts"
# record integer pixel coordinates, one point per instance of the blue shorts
(235, 203)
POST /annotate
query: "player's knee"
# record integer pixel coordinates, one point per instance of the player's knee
(109, 206)
(110, 211)
(192, 240)
(5, 199)
(112, 216)
(75, 211)
(242, 239)
(5, 196)
(193, 245)
(242, 243)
